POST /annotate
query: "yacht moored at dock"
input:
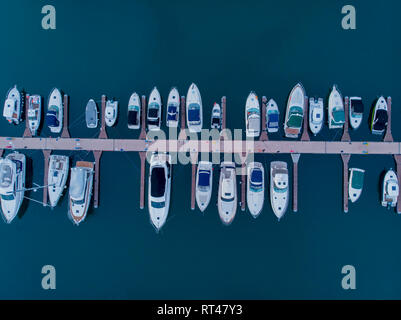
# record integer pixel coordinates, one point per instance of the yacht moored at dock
(295, 112)
(91, 114)
(81, 185)
(204, 183)
(154, 110)
(173, 108)
(216, 117)
(272, 116)
(111, 112)
(355, 183)
(336, 116)
(390, 190)
(355, 112)
(255, 188)
(34, 113)
(316, 112)
(252, 116)
(379, 116)
(279, 188)
(57, 177)
(194, 109)
(227, 199)
(12, 184)
(54, 115)
(159, 189)
(134, 112)
(13, 105)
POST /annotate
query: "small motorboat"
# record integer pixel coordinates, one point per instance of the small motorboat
(215, 122)
(355, 184)
(154, 110)
(295, 112)
(54, 115)
(279, 188)
(173, 108)
(111, 112)
(194, 109)
(379, 117)
(227, 199)
(204, 183)
(316, 112)
(255, 188)
(12, 184)
(159, 189)
(57, 177)
(91, 114)
(34, 113)
(252, 116)
(272, 116)
(336, 115)
(13, 105)
(390, 190)
(134, 112)
(355, 112)
(81, 185)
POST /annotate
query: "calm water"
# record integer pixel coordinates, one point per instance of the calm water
(227, 48)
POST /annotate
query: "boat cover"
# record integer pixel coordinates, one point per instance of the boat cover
(256, 176)
(357, 179)
(77, 183)
(381, 120)
(357, 106)
(216, 120)
(204, 177)
(194, 112)
(272, 120)
(51, 118)
(153, 112)
(172, 109)
(158, 182)
(133, 117)
(338, 116)
(295, 121)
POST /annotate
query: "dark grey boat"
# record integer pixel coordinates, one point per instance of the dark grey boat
(91, 114)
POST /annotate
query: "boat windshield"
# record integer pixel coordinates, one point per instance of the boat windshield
(256, 180)
(158, 205)
(357, 179)
(253, 111)
(227, 199)
(338, 115)
(158, 182)
(7, 197)
(204, 179)
(216, 121)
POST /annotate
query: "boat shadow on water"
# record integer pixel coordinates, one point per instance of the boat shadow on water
(28, 184)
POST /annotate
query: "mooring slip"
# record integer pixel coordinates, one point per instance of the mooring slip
(27, 132)
(305, 133)
(346, 136)
(295, 159)
(65, 133)
(97, 155)
(263, 134)
(345, 158)
(142, 156)
(46, 155)
(194, 158)
(103, 133)
(143, 118)
(388, 137)
(182, 134)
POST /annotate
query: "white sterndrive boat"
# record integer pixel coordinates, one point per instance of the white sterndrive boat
(272, 116)
(91, 114)
(204, 181)
(355, 184)
(81, 185)
(279, 188)
(34, 113)
(173, 108)
(57, 177)
(295, 112)
(255, 188)
(54, 115)
(227, 199)
(134, 112)
(12, 184)
(111, 112)
(316, 111)
(379, 117)
(390, 189)
(159, 189)
(13, 106)
(252, 116)
(154, 110)
(216, 117)
(336, 116)
(355, 112)
(194, 109)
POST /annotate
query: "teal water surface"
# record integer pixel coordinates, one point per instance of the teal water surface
(226, 48)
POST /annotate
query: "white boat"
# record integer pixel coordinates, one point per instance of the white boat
(390, 189)
(204, 183)
(355, 112)
(227, 199)
(255, 188)
(159, 189)
(134, 112)
(252, 116)
(173, 108)
(194, 109)
(379, 117)
(154, 110)
(34, 113)
(12, 184)
(355, 184)
(13, 106)
(279, 188)
(295, 112)
(215, 122)
(111, 112)
(91, 114)
(336, 116)
(272, 116)
(316, 114)
(54, 115)
(81, 184)
(57, 177)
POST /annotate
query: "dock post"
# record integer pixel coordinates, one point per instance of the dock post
(305, 133)
(46, 155)
(397, 158)
(182, 135)
(346, 136)
(263, 135)
(142, 136)
(345, 158)
(223, 120)
(388, 137)
(97, 155)
(142, 156)
(243, 176)
(194, 160)
(27, 132)
(103, 133)
(65, 133)
(295, 159)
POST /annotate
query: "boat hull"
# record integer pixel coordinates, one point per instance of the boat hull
(55, 99)
(57, 178)
(279, 198)
(316, 111)
(227, 207)
(272, 111)
(255, 199)
(173, 100)
(154, 123)
(194, 97)
(335, 103)
(296, 99)
(134, 103)
(203, 196)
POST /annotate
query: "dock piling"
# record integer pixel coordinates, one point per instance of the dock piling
(295, 159)
(103, 133)
(182, 134)
(142, 136)
(46, 155)
(97, 155)
(27, 132)
(305, 133)
(388, 137)
(194, 159)
(346, 137)
(243, 176)
(65, 133)
(345, 158)
(263, 135)
(142, 156)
